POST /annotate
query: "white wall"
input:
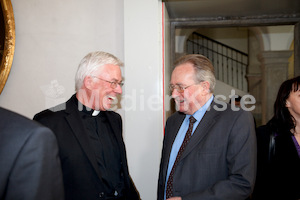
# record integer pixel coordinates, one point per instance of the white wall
(281, 37)
(144, 79)
(51, 39)
(226, 91)
(236, 37)
(168, 65)
(274, 38)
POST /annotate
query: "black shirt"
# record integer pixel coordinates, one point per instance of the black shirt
(277, 178)
(107, 152)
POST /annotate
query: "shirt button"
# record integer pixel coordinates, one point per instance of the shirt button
(116, 193)
(101, 194)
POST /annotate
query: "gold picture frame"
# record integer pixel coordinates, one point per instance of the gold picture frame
(7, 48)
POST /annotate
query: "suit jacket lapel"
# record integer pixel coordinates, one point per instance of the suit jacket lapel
(174, 128)
(78, 129)
(203, 128)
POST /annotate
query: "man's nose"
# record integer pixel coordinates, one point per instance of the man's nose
(175, 93)
(118, 89)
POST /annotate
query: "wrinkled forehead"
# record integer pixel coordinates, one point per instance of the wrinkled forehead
(109, 71)
(182, 75)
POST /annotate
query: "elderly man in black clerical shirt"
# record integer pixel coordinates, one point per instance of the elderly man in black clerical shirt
(89, 135)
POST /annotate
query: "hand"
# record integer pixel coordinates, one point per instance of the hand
(175, 198)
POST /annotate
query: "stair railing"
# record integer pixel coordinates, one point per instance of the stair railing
(230, 64)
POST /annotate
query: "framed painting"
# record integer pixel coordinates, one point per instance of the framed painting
(7, 40)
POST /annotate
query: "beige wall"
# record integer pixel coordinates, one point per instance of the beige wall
(51, 39)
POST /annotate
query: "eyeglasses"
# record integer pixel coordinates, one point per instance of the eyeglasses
(113, 85)
(179, 88)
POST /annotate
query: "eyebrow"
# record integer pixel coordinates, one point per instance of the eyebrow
(180, 84)
(116, 80)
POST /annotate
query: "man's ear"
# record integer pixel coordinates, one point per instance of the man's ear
(88, 82)
(205, 86)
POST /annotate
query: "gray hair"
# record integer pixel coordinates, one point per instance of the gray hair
(92, 62)
(204, 70)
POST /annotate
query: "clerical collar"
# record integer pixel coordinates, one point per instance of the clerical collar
(95, 112)
(87, 110)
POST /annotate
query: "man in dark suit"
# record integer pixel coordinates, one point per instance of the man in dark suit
(213, 154)
(91, 146)
(29, 163)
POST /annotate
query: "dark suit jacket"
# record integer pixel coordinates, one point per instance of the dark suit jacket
(219, 162)
(29, 163)
(82, 178)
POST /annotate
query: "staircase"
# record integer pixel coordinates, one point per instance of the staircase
(230, 64)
